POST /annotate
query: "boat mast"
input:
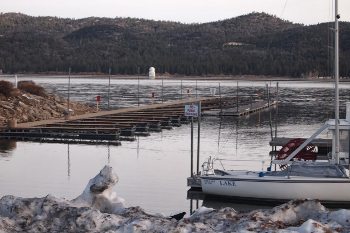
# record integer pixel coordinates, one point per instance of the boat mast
(336, 76)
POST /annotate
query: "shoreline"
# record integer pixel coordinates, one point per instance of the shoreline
(252, 78)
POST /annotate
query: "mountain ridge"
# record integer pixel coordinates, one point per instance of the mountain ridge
(252, 44)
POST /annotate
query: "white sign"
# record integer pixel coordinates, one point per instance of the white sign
(191, 110)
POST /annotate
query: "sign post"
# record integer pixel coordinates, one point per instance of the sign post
(98, 99)
(193, 111)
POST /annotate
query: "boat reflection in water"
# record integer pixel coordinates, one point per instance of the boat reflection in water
(197, 198)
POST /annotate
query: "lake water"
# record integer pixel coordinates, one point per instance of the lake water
(152, 170)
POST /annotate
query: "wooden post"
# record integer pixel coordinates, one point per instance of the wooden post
(12, 123)
(98, 99)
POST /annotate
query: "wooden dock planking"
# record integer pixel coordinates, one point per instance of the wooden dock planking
(247, 109)
(112, 112)
(68, 133)
(64, 128)
(125, 122)
(138, 117)
(164, 122)
(108, 121)
(107, 142)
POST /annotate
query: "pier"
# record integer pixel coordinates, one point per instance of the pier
(242, 110)
(123, 124)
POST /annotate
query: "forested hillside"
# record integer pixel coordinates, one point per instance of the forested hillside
(254, 44)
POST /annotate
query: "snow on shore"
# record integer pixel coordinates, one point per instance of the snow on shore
(99, 209)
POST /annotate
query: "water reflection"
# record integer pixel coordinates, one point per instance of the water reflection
(153, 170)
(7, 146)
(197, 198)
(68, 161)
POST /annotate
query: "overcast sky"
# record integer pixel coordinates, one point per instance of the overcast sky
(186, 11)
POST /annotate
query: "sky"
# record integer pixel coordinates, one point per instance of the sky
(185, 11)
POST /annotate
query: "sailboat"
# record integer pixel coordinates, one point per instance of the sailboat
(300, 175)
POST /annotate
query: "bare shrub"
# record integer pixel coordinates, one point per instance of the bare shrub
(6, 88)
(32, 88)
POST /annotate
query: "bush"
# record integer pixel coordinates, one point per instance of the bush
(7, 89)
(32, 88)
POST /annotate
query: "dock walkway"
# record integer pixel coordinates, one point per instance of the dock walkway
(242, 110)
(116, 125)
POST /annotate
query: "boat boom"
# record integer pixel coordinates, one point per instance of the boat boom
(294, 153)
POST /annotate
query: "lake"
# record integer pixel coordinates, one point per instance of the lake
(152, 170)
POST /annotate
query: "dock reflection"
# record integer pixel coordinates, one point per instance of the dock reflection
(7, 145)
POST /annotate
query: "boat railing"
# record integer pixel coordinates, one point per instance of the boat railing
(319, 169)
(232, 164)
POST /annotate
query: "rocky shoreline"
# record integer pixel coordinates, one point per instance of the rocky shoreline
(28, 107)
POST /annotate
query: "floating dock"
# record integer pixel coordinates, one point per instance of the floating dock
(110, 126)
(122, 124)
(242, 110)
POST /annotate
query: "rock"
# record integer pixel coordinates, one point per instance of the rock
(27, 107)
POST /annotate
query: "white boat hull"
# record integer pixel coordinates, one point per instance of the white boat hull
(330, 190)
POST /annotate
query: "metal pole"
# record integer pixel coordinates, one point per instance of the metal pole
(268, 104)
(220, 99)
(68, 99)
(268, 95)
(199, 134)
(181, 88)
(108, 154)
(251, 101)
(191, 146)
(196, 89)
(191, 206)
(68, 161)
(237, 97)
(16, 81)
(336, 75)
(276, 110)
(276, 115)
(162, 90)
(109, 85)
(138, 86)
